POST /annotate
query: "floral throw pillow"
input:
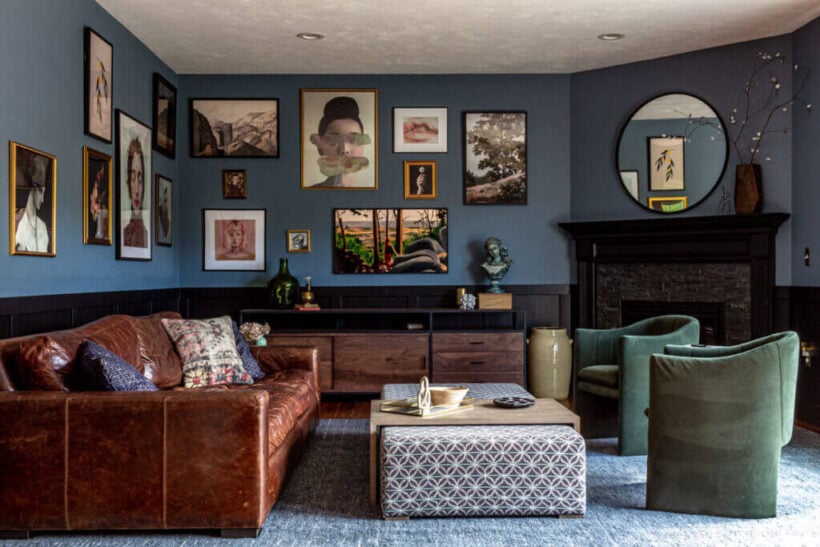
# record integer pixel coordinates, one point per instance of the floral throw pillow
(208, 351)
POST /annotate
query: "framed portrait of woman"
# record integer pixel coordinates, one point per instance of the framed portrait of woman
(98, 198)
(339, 139)
(164, 211)
(134, 188)
(233, 239)
(32, 201)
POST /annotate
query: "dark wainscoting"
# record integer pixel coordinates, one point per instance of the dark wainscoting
(804, 317)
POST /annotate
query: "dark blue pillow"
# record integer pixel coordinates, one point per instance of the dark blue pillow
(244, 350)
(101, 370)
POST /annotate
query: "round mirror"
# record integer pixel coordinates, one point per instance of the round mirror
(672, 152)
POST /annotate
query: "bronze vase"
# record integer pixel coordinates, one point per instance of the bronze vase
(748, 189)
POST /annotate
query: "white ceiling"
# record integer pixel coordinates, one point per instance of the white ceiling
(442, 36)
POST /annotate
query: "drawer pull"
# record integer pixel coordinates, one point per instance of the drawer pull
(477, 362)
(479, 343)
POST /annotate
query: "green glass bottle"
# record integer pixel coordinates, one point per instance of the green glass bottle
(283, 288)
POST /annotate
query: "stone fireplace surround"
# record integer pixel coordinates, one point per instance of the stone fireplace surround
(720, 269)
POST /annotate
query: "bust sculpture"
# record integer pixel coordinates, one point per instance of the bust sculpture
(497, 264)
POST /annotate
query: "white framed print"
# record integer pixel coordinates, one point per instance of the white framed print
(233, 239)
(419, 129)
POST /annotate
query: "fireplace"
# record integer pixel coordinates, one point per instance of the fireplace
(719, 269)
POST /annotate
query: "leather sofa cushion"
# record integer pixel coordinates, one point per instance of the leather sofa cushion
(46, 362)
(159, 359)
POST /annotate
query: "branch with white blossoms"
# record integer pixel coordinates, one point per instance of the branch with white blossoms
(762, 102)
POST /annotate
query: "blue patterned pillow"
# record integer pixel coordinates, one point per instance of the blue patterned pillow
(101, 370)
(244, 350)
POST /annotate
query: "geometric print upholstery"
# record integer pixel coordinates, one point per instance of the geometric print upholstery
(391, 392)
(471, 471)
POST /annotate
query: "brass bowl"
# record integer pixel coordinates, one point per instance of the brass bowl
(447, 396)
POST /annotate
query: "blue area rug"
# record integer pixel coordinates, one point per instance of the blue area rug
(325, 503)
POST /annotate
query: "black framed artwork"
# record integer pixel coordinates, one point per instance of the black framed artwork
(237, 128)
(495, 158)
(98, 86)
(165, 116)
(233, 239)
(134, 188)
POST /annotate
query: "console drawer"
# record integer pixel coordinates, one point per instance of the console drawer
(479, 341)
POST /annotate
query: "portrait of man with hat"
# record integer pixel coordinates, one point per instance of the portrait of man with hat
(33, 172)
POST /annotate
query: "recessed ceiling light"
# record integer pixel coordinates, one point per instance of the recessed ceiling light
(611, 36)
(310, 36)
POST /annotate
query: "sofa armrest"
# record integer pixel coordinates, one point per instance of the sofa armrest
(273, 358)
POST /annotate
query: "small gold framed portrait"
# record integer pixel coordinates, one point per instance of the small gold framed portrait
(234, 184)
(32, 201)
(298, 241)
(420, 181)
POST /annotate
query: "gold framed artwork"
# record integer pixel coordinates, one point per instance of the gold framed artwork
(420, 180)
(32, 201)
(298, 241)
(234, 184)
(339, 139)
(164, 211)
(667, 204)
(98, 197)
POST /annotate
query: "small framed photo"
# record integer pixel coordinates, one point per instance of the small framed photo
(629, 178)
(495, 158)
(165, 116)
(98, 86)
(32, 201)
(665, 163)
(98, 197)
(670, 204)
(236, 128)
(420, 180)
(233, 239)
(134, 188)
(419, 130)
(339, 139)
(164, 211)
(298, 241)
(234, 184)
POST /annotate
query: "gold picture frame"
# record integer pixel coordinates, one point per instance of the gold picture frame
(234, 184)
(98, 197)
(668, 204)
(298, 241)
(32, 201)
(420, 180)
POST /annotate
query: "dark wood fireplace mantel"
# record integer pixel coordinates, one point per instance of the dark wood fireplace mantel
(664, 242)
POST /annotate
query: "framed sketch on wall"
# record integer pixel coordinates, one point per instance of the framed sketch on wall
(495, 158)
(233, 239)
(32, 201)
(665, 163)
(164, 208)
(134, 188)
(629, 178)
(339, 139)
(165, 116)
(98, 85)
(237, 128)
(98, 197)
(419, 130)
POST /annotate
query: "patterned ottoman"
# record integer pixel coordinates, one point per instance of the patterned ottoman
(470, 471)
(392, 392)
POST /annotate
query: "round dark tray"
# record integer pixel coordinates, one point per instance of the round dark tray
(514, 402)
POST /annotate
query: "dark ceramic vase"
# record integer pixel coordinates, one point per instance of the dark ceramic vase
(283, 288)
(748, 189)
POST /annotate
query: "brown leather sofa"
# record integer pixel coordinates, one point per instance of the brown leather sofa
(172, 459)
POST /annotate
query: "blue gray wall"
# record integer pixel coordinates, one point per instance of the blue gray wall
(535, 244)
(41, 105)
(806, 162)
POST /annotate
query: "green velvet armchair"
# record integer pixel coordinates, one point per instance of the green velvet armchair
(612, 376)
(718, 417)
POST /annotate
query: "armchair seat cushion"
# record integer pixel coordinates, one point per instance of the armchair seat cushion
(598, 389)
(602, 375)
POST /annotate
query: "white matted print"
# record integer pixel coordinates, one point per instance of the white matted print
(233, 239)
(665, 163)
(419, 130)
(134, 188)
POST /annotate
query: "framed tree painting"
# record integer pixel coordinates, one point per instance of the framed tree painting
(665, 163)
(419, 130)
(237, 128)
(164, 209)
(32, 201)
(134, 188)
(98, 197)
(233, 239)
(495, 158)
(165, 116)
(339, 139)
(98, 86)
(390, 241)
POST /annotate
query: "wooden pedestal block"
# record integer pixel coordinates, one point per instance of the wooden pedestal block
(490, 301)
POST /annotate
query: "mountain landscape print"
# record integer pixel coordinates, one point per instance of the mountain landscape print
(239, 128)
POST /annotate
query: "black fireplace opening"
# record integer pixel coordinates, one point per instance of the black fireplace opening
(710, 315)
